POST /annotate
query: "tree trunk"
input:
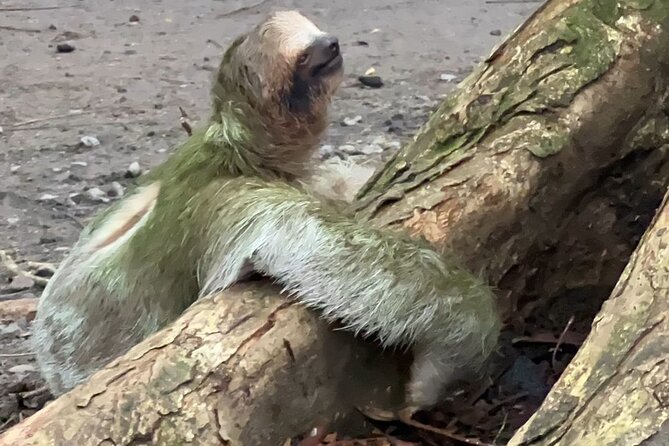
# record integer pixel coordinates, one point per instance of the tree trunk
(499, 174)
(616, 390)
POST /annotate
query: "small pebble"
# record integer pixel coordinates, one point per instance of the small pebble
(347, 148)
(496, 32)
(134, 18)
(447, 77)
(79, 163)
(371, 81)
(326, 150)
(1, 131)
(74, 199)
(90, 141)
(97, 194)
(370, 149)
(115, 189)
(44, 271)
(351, 121)
(394, 145)
(14, 168)
(64, 48)
(134, 170)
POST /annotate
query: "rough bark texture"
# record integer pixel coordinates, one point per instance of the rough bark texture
(501, 164)
(573, 96)
(616, 390)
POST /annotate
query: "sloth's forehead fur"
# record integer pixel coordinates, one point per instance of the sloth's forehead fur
(290, 31)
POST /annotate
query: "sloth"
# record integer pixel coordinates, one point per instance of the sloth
(232, 199)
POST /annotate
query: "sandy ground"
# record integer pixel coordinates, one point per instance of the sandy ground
(124, 83)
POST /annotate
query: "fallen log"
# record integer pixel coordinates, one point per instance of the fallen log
(496, 175)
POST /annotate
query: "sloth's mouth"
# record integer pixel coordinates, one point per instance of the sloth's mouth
(331, 66)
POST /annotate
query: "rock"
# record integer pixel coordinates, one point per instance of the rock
(47, 197)
(134, 170)
(90, 141)
(115, 190)
(45, 240)
(14, 168)
(371, 81)
(79, 163)
(64, 48)
(447, 77)
(348, 148)
(326, 150)
(12, 220)
(133, 18)
(97, 194)
(394, 145)
(20, 283)
(347, 122)
(370, 149)
(22, 368)
(11, 330)
(496, 32)
(74, 199)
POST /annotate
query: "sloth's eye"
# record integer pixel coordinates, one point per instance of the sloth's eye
(303, 59)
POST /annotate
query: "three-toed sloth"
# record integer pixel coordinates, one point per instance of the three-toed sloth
(230, 199)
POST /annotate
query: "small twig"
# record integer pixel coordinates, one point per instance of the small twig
(515, 397)
(15, 355)
(559, 342)
(453, 436)
(69, 114)
(241, 9)
(43, 127)
(74, 219)
(501, 428)
(48, 118)
(183, 120)
(23, 30)
(11, 265)
(34, 8)
(8, 421)
(35, 392)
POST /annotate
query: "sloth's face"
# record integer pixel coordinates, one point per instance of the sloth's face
(289, 59)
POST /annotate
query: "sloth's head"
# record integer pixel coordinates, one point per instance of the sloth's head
(285, 66)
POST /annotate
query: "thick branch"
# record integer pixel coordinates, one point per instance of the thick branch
(238, 368)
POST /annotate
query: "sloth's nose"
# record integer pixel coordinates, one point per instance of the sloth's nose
(323, 50)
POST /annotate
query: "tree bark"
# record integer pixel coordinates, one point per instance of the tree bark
(497, 175)
(616, 390)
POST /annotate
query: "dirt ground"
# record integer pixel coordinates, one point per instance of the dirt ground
(135, 63)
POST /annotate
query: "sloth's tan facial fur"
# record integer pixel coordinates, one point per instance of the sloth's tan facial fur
(287, 70)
